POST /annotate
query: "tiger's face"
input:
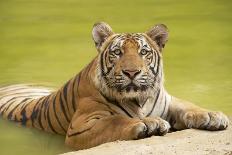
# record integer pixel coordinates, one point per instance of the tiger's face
(129, 64)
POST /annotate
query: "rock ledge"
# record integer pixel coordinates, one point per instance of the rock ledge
(186, 142)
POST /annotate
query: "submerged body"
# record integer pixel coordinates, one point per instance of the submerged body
(120, 95)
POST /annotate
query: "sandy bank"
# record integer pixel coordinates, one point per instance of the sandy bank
(186, 142)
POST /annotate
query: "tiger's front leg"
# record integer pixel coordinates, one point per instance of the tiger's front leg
(93, 126)
(187, 115)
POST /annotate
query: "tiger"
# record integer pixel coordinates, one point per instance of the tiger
(119, 95)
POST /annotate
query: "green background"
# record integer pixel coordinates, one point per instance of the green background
(49, 41)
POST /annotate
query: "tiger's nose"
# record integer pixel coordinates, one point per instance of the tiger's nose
(131, 73)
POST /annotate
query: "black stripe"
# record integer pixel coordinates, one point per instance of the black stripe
(102, 64)
(110, 45)
(35, 111)
(33, 116)
(105, 57)
(16, 98)
(2, 106)
(24, 116)
(108, 69)
(54, 109)
(9, 104)
(65, 95)
(77, 133)
(78, 82)
(45, 107)
(40, 113)
(152, 57)
(156, 60)
(158, 67)
(73, 95)
(116, 104)
(63, 109)
(23, 105)
(158, 64)
(49, 121)
(102, 67)
(154, 103)
(112, 58)
(65, 90)
(12, 111)
(153, 70)
(11, 100)
(137, 103)
(144, 103)
(79, 79)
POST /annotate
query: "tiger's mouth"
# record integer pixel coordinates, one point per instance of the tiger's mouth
(131, 87)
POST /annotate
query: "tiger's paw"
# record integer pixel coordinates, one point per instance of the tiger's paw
(206, 120)
(149, 127)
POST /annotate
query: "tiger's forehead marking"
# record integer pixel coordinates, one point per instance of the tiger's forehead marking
(121, 39)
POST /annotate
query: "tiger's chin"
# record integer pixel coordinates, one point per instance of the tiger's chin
(131, 91)
(131, 87)
(131, 94)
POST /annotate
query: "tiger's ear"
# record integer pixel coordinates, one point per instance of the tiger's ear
(159, 34)
(101, 31)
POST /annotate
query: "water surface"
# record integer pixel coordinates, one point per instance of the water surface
(49, 41)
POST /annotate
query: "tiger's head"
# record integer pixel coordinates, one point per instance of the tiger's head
(129, 64)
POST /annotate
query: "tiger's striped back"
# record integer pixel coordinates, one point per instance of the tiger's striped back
(42, 108)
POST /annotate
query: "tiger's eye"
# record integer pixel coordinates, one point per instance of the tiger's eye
(117, 52)
(144, 52)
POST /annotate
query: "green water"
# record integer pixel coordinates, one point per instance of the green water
(18, 140)
(49, 41)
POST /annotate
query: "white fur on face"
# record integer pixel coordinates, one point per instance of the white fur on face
(111, 91)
